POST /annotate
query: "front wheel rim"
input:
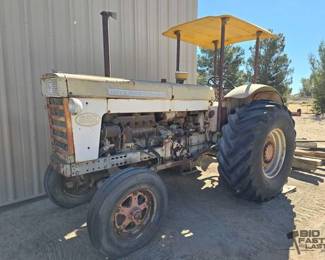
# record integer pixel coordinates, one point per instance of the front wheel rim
(274, 152)
(133, 213)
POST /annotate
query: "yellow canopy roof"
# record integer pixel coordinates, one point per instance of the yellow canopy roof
(204, 31)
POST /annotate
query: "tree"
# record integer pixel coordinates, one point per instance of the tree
(307, 87)
(318, 78)
(274, 65)
(233, 73)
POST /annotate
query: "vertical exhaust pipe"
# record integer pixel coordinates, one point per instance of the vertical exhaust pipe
(105, 16)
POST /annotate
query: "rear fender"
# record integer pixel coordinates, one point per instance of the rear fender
(245, 94)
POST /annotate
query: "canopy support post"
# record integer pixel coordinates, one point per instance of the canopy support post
(215, 64)
(257, 52)
(178, 49)
(221, 68)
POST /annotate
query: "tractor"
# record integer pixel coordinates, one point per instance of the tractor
(111, 136)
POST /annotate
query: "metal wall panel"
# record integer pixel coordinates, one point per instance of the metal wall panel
(37, 36)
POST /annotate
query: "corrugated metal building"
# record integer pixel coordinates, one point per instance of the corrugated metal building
(37, 36)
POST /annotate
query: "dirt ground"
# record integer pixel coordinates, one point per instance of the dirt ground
(205, 221)
(310, 127)
(305, 104)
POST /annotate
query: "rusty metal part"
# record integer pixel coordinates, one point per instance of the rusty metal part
(274, 152)
(110, 139)
(61, 128)
(134, 121)
(178, 49)
(69, 133)
(105, 16)
(224, 116)
(221, 68)
(133, 212)
(257, 51)
(215, 58)
(268, 151)
(136, 126)
(215, 64)
(171, 164)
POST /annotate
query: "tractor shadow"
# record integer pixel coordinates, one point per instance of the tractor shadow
(204, 221)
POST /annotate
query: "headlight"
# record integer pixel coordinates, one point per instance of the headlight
(75, 106)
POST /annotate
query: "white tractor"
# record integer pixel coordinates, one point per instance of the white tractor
(111, 136)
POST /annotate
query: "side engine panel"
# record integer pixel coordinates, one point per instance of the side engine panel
(165, 135)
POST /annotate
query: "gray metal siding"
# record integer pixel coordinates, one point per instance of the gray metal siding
(37, 36)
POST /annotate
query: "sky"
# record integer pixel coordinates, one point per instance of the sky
(301, 21)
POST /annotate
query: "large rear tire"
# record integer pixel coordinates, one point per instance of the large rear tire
(256, 150)
(126, 211)
(68, 192)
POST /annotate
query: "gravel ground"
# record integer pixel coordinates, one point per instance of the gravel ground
(204, 221)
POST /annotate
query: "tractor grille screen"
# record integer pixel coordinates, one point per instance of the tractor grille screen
(60, 127)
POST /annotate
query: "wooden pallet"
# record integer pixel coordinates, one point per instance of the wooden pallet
(308, 157)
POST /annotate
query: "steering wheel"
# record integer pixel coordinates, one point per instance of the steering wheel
(213, 81)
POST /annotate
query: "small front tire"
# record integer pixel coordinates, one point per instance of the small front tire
(68, 192)
(125, 213)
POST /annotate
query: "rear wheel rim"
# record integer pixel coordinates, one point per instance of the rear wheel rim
(133, 212)
(274, 152)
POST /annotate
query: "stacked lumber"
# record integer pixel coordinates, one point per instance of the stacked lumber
(308, 157)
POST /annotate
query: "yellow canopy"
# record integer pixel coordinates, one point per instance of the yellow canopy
(204, 31)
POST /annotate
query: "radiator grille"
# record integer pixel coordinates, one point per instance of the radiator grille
(60, 127)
